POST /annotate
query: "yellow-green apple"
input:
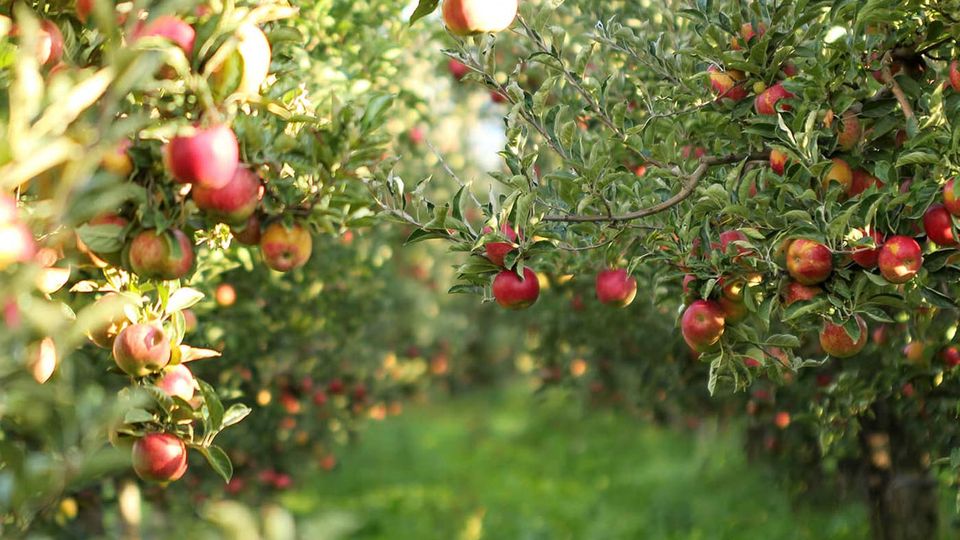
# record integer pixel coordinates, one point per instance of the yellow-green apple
(497, 251)
(469, 17)
(938, 224)
(861, 181)
(900, 259)
(727, 84)
(950, 201)
(798, 292)
(161, 256)
(616, 287)
(766, 102)
(247, 67)
(851, 131)
(233, 203)
(249, 234)
(118, 161)
(169, 27)
(177, 381)
(809, 262)
(285, 249)
(840, 173)
(141, 349)
(159, 457)
(206, 157)
(513, 292)
(778, 161)
(702, 325)
(866, 256)
(837, 343)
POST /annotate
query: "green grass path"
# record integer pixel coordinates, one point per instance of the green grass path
(508, 466)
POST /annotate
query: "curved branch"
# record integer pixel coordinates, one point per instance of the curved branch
(689, 186)
(888, 79)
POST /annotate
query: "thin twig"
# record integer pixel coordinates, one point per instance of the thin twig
(898, 93)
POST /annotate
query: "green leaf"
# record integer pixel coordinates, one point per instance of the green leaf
(214, 406)
(182, 299)
(136, 416)
(425, 8)
(103, 238)
(219, 461)
(785, 341)
(236, 413)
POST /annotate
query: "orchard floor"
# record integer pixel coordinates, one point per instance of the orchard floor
(510, 466)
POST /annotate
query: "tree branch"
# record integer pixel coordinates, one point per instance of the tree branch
(687, 189)
(888, 79)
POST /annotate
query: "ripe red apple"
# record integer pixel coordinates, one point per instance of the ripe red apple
(837, 343)
(766, 102)
(778, 161)
(159, 457)
(161, 256)
(851, 131)
(458, 69)
(171, 28)
(840, 173)
(247, 67)
(727, 84)
(798, 292)
(249, 234)
(950, 356)
(747, 32)
(286, 249)
(336, 387)
(861, 181)
(687, 151)
(233, 203)
(225, 295)
(16, 243)
(900, 259)
(955, 76)
(809, 262)
(950, 201)
(497, 251)
(867, 257)
(512, 292)
(616, 287)
(84, 8)
(734, 311)
(205, 157)
(177, 381)
(938, 224)
(497, 97)
(469, 17)
(141, 349)
(702, 324)
(782, 420)
(727, 238)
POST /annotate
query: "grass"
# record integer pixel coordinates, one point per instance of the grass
(504, 465)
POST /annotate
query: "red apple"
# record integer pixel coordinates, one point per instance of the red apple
(727, 238)
(766, 101)
(286, 249)
(171, 28)
(458, 69)
(497, 251)
(867, 257)
(837, 343)
(687, 151)
(778, 161)
(782, 420)
(798, 292)
(840, 173)
(161, 256)
(938, 224)
(177, 381)
(159, 457)
(727, 84)
(955, 76)
(851, 131)
(950, 201)
(83, 8)
(734, 311)
(950, 356)
(233, 203)
(860, 181)
(141, 349)
(469, 17)
(249, 234)
(205, 157)
(809, 262)
(616, 287)
(900, 259)
(916, 352)
(512, 292)
(225, 295)
(16, 243)
(702, 324)
(690, 287)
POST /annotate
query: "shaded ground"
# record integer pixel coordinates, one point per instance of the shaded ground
(508, 466)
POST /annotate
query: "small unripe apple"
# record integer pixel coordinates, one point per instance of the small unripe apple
(205, 157)
(861, 181)
(950, 201)
(809, 262)
(798, 292)
(177, 381)
(161, 256)
(616, 287)
(865, 256)
(233, 203)
(851, 131)
(900, 259)
(938, 225)
(141, 349)
(727, 84)
(286, 249)
(837, 343)
(702, 325)
(778, 161)
(159, 457)
(171, 28)
(840, 173)
(512, 292)
(766, 102)
(469, 17)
